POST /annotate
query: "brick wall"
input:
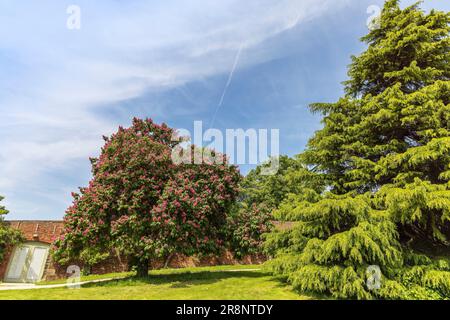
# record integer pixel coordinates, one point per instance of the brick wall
(47, 231)
(4, 264)
(40, 231)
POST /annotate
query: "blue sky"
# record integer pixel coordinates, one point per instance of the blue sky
(62, 89)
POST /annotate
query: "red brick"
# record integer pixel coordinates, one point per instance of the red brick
(47, 231)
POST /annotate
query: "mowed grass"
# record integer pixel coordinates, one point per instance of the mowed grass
(212, 283)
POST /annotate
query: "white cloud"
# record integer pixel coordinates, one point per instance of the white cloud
(56, 80)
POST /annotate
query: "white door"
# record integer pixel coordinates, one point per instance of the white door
(17, 263)
(37, 264)
(27, 263)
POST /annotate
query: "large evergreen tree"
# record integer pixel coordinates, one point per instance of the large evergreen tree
(384, 153)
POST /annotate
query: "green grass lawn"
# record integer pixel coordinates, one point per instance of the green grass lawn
(173, 284)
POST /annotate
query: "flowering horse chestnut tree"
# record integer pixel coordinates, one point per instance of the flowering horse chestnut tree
(146, 206)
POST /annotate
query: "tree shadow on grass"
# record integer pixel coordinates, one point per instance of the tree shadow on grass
(282, 281)
(180, 279)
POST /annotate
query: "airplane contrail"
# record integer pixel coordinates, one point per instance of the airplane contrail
(230, 77)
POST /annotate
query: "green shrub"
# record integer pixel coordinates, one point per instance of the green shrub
(8, 237)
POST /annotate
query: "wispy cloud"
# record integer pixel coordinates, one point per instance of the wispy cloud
(56, 83)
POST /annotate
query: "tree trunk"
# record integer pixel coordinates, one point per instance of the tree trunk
(87, 270)
(142, 268)
(168, 260)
